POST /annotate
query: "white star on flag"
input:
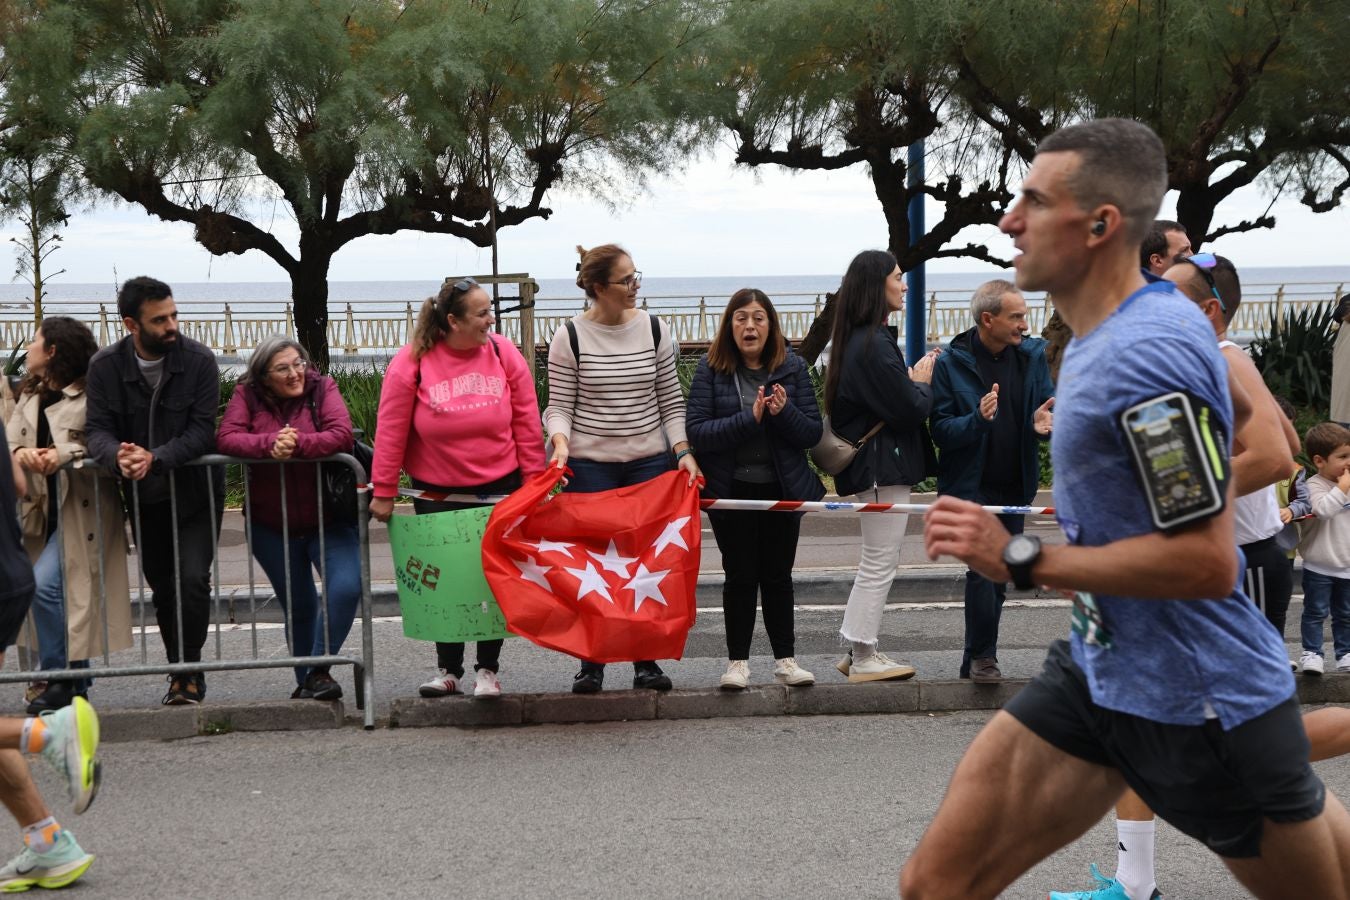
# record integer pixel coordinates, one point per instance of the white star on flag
(592, 582)
(544, 545)
(533, 572)
(611, 561)
(647, 586)
(671, 536)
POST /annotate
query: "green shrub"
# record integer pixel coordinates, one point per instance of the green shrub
(1294, 356)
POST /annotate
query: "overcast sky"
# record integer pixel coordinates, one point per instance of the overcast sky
(713, 218)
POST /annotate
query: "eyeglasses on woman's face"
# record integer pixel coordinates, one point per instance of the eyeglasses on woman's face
(285, 369)
(629, 282)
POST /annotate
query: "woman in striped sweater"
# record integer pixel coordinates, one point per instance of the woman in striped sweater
(615, 413)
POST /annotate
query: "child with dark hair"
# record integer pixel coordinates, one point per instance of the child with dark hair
(1326, 544)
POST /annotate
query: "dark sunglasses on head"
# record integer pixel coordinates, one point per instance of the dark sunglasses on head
(1203, 262)
(464, 284)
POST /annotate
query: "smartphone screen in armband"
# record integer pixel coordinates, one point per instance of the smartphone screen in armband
(1179, 454)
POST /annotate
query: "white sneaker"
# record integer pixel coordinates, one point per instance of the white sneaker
(485, 684)
(1312, 663)
(1343, 663)
(443, 685)
(737, 675)
(845, 663)
(878, 667)
(786, 671)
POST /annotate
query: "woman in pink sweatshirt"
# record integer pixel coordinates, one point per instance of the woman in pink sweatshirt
(459, 415)
(284, 409)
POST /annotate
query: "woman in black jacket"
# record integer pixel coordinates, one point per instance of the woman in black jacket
(868, 382)
(752, 415)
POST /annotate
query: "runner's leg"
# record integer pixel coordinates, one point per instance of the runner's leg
(1014, 799)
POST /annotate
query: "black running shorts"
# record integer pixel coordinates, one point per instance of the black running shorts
(1216, 786)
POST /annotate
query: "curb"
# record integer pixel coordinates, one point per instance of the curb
(176, 722)
(876, 698)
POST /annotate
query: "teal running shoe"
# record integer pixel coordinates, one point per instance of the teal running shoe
(72, 742)
(63, 864)
(1106, 889)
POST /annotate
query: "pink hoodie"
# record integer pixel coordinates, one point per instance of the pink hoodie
(457, 418)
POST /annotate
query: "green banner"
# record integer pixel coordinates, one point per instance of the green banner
(439, 566)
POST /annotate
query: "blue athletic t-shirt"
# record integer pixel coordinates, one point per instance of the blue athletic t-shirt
(1171, 661)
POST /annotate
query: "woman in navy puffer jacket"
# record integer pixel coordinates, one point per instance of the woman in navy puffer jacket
(752, 415)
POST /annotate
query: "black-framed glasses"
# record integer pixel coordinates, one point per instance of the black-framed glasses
(630, 282)
(463, 285)
(1203, 262)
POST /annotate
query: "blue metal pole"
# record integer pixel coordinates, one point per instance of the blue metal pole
(916, 317)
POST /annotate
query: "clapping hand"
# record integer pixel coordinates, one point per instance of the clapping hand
(777, 400)
(1044, 418)
(989, 404)
(757, 408)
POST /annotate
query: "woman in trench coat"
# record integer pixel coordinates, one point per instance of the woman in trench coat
(72, 517)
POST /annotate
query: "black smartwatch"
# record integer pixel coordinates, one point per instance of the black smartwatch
(1019, 556)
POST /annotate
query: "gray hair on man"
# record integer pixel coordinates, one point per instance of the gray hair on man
(268, 347)
(988, 298)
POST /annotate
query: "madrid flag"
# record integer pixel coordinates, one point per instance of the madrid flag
(606, 577)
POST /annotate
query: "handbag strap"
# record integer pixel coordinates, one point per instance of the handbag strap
(871, 434)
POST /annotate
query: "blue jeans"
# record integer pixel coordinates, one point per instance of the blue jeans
(342, 566)
(49, 612)
(1323, 594)
(589, 476)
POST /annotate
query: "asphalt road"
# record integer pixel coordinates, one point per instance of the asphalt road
(826, 807)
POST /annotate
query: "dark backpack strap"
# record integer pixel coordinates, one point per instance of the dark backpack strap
(572, 340)
(656, 334)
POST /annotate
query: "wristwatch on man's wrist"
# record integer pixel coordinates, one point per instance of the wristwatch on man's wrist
(1020, 555)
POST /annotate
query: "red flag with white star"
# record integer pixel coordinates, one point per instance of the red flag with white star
(606, 577)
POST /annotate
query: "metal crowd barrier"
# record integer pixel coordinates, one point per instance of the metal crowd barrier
(362, 666)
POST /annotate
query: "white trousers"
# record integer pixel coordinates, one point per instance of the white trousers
(881, 537)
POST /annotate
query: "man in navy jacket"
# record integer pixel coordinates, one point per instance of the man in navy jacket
(992, 401)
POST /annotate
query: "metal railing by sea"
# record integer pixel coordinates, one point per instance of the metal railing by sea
(380, 328)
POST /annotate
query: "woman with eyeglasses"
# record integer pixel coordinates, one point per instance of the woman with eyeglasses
(752, 410)
(868, 383)
(615, 411)
(73, 525)
(458, 413)
(283, 409)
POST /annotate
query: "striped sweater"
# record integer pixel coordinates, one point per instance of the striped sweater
(614, 404)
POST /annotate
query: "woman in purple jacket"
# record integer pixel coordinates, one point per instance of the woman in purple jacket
(284, 409)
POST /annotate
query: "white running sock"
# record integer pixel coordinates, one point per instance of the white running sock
(40, 837)
(1134, 860)
(863, 651)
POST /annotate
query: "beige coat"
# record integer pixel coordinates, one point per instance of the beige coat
(82, 521)
(1340, 374)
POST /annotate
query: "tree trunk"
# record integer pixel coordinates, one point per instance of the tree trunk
(1195, 212)
(818, 335)
(309, 294)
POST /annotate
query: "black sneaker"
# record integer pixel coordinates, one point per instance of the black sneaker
(649, 675)
(589, 680)
(57, 695)
(322, 686)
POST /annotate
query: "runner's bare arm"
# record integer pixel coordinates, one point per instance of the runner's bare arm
(1195, 562)
(1261, 450)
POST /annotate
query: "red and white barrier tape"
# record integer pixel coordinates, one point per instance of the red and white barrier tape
(835, 506)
